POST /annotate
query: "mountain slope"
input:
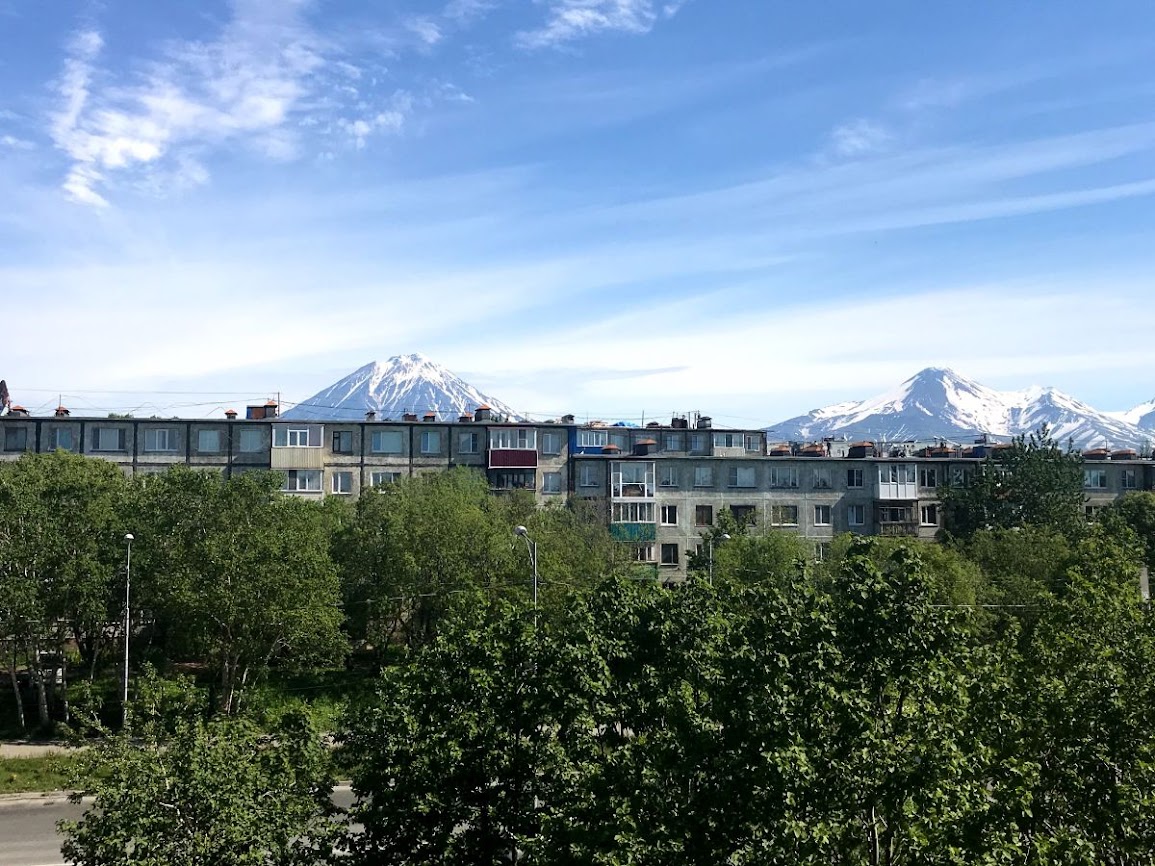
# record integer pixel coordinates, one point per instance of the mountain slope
(1142, 416)
(939, 403)
(404, 383)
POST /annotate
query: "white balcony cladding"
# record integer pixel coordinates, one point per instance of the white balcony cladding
(297, 446)
(897, 481)
(633, 480)
(512, 448)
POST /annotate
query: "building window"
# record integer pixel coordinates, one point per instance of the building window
(669, 515)
(209, 441)
(551, 482)
(621, 441)
(667, 475)
(469, 443)
(822, 551)
(856, 515)
(633, 512)
(381, 478)
(251, 441)
(698, 443)
(783, 515)
(742, 476)
(822, 515)
(550, 442)
(674, 442)
(159, 439)
(1095, 479)
(822, 479)
(744, 515)
(587, 475)
(1092, 511)
(519, 438)
(593, 438)
(16, 438)
(754, 443)
(928, 477)
(703, 476)
(430, 441)
(108, 439)
(729, 440)
(386, 442)
(1128, 479)
(669, 554)
(513, 479)
(894, 514)
(342, 442)
(854, 478)
(959, 476)
(784, 476)
(62, 438)
(343, 482)
(703, 515)
(303, 481)
(297, 437)
(896, 473)
(929, 515)
(644, 553)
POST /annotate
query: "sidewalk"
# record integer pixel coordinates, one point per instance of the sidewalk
(32, 750)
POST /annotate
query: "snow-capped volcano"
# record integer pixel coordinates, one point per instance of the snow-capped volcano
(1142, 416)
(939, 403)
(403, 384)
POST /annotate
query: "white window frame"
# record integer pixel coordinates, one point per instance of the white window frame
(587, 476)
(512, 439)
(674, 442)
(342, 483)
(926, 473)
(645, 552)
(299, 481)
(1095, 479)
(305, 436)
(666, 547)
(551, 482)
(823, 515)
(855, 479)
(100, 434)
(1128, 479)
(381, 477)
(551, 441)
(667, 475)
(703, 476)
(669, 515)
(593, 438)
(931, 509)
(632, 512)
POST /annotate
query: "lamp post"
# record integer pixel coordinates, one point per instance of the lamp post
(532, 545)
(725, 536)
(128, 539)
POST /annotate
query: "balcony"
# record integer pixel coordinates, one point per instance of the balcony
(512, 458)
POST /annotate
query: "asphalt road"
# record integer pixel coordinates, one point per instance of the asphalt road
(28, 828)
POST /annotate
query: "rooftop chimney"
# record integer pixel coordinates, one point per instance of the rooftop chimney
(231, 414)
(371, 415)
(60, 412)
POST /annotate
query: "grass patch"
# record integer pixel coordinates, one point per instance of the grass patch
(44, 773)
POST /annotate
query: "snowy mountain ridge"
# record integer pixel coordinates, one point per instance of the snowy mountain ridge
(404, 384)
(939, 403)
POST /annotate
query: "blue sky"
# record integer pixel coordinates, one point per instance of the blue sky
(606, 207)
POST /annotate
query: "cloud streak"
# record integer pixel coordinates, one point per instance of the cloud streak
(570, 20)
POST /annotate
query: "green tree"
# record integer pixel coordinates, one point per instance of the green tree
(1137, 512)
(1032, 482)
(62, 523)
(180, 789)
(237, 574)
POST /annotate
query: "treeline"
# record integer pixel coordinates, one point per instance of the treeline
(234, 578)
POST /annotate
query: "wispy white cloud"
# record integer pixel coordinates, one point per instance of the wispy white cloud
(859, 137)
(568, 20)
(255, 85)
(425, 29)
(16, 143)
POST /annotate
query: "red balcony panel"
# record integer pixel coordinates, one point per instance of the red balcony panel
(512, 458)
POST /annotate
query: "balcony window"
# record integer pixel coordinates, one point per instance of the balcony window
(159, 439)
(386, 442)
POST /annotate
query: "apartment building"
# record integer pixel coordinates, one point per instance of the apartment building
(660, 486)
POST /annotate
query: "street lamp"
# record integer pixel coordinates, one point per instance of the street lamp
(532, 545)
(725, 536)
(128, 539)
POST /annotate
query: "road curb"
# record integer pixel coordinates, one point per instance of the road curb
(47, 798)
